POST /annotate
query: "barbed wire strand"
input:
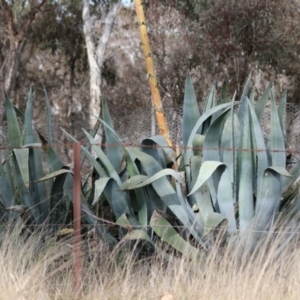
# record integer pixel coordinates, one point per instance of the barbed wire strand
(139, 145)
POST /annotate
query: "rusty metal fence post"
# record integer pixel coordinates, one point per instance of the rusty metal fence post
(77, 222)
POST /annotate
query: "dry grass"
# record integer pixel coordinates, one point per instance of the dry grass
(31, 271)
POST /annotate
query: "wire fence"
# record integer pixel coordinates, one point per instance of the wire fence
(139, 126)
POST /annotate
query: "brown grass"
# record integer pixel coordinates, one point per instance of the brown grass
(35, 269)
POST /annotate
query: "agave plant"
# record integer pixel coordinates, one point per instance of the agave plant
(23, 166)
(232, 175)
(27, 189)
(239, 170)
(233, 178)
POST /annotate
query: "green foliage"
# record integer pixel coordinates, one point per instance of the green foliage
(26, 187)
(23, 166)
(234, 179)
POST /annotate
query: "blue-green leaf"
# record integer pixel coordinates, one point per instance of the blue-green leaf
(190, 111)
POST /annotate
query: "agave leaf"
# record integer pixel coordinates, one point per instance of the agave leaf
(56, 173)
(58, 207)
(117, 200)
(282, 171)
(131, 167)
(261, 103)
(268, 198)
(128, 222)
(139, 235)
(10, 176)
(245, 173)
(22, 156)
(224, 98)
(225, 200)
(93, 133)
(144, 211)
(19, 114)
(152, 180)
(211, 148)
(200, 121)
(198, 144)
(133, 182)
(209, 104)
(206, 171)
(26, 198)
(252, 96)
(35, 162)
(229, 140)
(169, 235)
(201, 196)
(148, 202)
(139, 181)
(261, 151)
(124, 222)
(140, 201)
(204, 203)
(231, 162)
(172, 199)
(29, 136)
(189, 150)
(14, 133)
(111, 171)
(243, 105)
(53, 161)
(190, 111)
(149, 146)
(114, 149)
(288, 181)
(100, 185)
(93, 161)
(195, 167)
(99, 226)
(212, 221)
(276, 141)
(6, 194)
(210, 100)
(37, 189)
(282, 112)
(48, 116)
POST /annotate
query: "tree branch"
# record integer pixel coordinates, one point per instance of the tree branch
(109, 23)
(34, 11)
(9, 18)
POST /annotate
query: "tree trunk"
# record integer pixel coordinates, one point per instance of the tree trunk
(95, 55)
(9, 72)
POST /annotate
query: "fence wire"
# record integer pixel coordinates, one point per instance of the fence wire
(141, 124)
(132, 129)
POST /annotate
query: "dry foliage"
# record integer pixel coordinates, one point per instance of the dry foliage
(37, 269)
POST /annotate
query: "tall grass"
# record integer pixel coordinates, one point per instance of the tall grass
(38, 268)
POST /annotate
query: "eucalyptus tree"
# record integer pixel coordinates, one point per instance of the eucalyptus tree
(96, 46)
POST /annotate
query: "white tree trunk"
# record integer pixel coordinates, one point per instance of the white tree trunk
(96, 56)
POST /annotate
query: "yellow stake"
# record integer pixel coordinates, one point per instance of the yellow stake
(151, 76)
